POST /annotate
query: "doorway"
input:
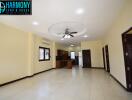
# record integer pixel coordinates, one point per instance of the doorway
(74, 57)
(127, 47)
(80, 59)
(86, 58)
(107, 58)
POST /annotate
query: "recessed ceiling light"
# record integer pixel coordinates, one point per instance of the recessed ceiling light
(35, 23)
(72, 45)
(80, 11)
(85, 36)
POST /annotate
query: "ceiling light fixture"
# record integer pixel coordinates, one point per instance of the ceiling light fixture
(80, 11)
(35, 23)
(72, 45)
(67, 37)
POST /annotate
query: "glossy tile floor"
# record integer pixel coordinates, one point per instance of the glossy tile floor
(66, 84)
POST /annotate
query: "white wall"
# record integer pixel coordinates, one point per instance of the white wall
(96, 52)
(114, 41)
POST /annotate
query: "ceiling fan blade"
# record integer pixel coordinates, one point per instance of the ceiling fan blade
(73, 33)
(63, 36)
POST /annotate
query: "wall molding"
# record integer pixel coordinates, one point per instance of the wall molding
(113, 78)
(25, 77)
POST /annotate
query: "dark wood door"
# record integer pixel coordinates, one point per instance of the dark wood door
(103, 51)
(86, 58)
(76, 60)
(107, 58)
(127, 46)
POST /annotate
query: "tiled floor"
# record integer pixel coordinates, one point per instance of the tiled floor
(66, 84)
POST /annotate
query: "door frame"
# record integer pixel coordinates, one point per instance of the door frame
(103, 52)
(129, 84)
(107, 58)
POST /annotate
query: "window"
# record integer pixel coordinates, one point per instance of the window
(44, 54)
(72, 55)
(41, 54)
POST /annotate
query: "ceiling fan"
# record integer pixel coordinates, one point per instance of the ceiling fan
(68, 34)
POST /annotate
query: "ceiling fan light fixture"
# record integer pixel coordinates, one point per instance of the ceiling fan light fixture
(67, 36)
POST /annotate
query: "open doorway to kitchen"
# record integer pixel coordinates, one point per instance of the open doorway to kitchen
(74, 57)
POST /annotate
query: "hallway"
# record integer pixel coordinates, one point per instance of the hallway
(66, 84)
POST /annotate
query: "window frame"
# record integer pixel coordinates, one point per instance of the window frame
(43, 54)
(48, 55)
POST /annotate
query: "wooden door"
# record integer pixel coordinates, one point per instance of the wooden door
(86, 58)
(127, 46)
(107, 58)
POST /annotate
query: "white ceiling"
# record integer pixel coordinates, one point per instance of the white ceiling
(98, 17)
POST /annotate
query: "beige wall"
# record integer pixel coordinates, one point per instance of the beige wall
(114, 41)
(96, 52)
(13, 54)
(19, 53)
(41, 65)
(59, 46)
(54, 54)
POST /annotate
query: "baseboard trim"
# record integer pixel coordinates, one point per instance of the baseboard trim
(94, 67)
(43, 71)
(118, 82)
(97, 67)
(25, 77)
(13, 81)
